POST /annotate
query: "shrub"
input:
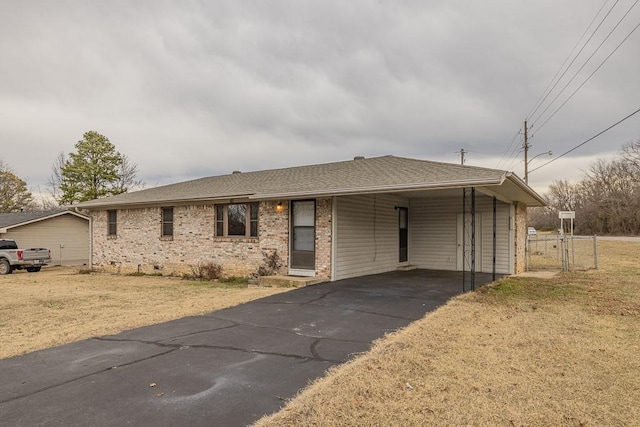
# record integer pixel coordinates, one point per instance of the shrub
(271, 263)
(206, 271)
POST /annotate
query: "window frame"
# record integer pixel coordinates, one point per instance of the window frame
(112, 223)
(251, 222)
(164, 222)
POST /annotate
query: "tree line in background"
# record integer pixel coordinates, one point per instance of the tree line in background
(606, 200)
(95, 169)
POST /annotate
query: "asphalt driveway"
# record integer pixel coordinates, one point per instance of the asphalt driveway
(226, 368)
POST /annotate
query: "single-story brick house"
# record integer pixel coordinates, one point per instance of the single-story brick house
(334, 220)
(64, 232)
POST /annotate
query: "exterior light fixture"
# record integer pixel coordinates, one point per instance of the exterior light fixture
(279, 206)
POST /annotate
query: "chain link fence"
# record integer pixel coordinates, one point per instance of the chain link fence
(561, 252)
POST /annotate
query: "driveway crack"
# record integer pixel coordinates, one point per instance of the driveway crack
(227, 347)
(80, 377)
(289, 331)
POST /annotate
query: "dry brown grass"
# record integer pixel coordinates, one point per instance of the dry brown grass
(56, 306)
(524, 352)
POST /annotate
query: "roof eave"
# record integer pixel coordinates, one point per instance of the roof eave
(123, 205)
(21, 224)
(378, 189)
(525, 187)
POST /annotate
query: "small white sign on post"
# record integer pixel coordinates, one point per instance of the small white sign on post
(567, 214)
(571, 215)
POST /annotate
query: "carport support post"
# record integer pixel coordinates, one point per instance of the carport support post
(464, 235)
(494, 239)
(472, 239)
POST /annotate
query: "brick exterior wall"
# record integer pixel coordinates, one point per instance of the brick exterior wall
(324, 218)
(520, 237)
(138, 245)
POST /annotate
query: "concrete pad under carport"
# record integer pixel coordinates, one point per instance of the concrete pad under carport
(229, 367)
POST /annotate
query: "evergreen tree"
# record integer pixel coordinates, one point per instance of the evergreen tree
(93, 171)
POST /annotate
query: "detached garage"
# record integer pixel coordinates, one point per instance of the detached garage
(64, 232)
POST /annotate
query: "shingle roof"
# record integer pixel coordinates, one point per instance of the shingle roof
(18, 218)
(349, 177)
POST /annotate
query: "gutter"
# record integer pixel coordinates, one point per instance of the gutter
(525, 187)
(317, 193)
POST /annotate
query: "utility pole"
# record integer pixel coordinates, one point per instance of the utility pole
(525, 145)
(462, 153)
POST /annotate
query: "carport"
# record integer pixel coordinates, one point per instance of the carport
(229, 367)
(470, 230)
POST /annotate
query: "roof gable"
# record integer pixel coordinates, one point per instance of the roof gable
(17, 219)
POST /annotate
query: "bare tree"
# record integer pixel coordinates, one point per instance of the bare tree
(563, 196)
(127, 173)
(55, 179)
(606, 200)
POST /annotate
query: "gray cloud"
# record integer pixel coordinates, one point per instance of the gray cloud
(188, 89)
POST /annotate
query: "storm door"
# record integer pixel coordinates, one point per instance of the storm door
(303, 234)
(403, 222)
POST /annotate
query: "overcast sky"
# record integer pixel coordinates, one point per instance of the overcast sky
(197, 88)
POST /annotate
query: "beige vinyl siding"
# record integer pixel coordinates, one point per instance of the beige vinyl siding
(366, 235)
(433, 233)
(68, 230)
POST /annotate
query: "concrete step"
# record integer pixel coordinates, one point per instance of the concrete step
(289, 281)
(407, 267)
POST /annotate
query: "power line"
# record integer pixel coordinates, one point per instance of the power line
(590, 139)
(506, 151)
(585, 63)
(577, 55)
(544, 94)
(589, 77)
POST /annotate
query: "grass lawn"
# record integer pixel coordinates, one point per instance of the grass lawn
(58, 305)
(522, 352)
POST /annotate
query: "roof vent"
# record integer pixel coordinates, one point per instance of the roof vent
(358, 158)
(237, 172)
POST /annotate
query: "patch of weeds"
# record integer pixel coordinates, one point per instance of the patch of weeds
(53, 304)
(86, 271)
(513, 290)
(232, 282)
(235, 280)
(142, 274)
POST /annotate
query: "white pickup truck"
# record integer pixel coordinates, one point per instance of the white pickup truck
(12, 258)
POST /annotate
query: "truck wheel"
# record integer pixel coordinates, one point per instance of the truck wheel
(33, 269)
(5, 268)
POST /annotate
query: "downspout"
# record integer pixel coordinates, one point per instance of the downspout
(90, 240)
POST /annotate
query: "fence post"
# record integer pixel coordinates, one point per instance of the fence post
(595, 251)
